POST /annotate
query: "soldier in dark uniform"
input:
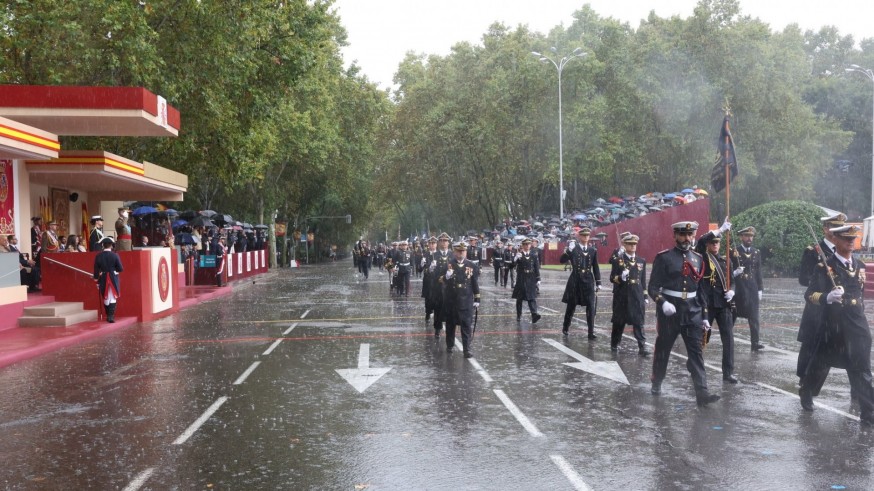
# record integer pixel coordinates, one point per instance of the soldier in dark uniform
(498, 259)
(96, 238)
(673, 284)
(107, 266)
(810, 257)
(748, 283)
(717, 294)
(474, 253)
(418, 257)
(404, 263)
(583, 282)
(380, 256)
(462, 298)
(439, 265)
(36, 238)
(427, 277)
(527, 281)
(364, 259)
(810, 263)
(220, 250)
(507, 265)
(619, 250)
(843, 336)
(628, 276)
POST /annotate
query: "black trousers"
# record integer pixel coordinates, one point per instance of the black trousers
(462, 323)
(668, 330)
(403, 280)
(860, 385)
(532, 307)
(497, 273)
(439, 313)
(725, 320)
(590, 314)
(753, 320)
(619, 329)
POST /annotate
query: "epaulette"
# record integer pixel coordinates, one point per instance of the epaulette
(696, 253)
(810, 248)
(664, 251)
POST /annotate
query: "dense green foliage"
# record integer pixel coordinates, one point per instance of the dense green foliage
(782, 232)
(272, 121)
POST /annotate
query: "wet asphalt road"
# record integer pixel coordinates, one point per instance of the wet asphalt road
(244, 393)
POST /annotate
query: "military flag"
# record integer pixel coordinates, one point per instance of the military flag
(725, 158)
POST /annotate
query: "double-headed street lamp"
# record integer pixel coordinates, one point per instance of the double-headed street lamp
(870, 74)
(577, 53)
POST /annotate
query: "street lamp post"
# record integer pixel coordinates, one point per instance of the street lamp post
(559, 66)
(870, 74)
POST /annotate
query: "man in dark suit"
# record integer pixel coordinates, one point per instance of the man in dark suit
(462, 298)
(584, 281)
(439, 265)
(717, 292)
(527, 280)
(628, 276)
(843, 336)
(748, 283)
(107, 266)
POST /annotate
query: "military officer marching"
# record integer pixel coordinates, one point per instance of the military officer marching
(583, 282)
(673, 285)
(474, 253)
(461, 282)
(715, 289)
(403, 260)
(427, 277)
(748, 283)
(527, 282)
(628, 276)
(498, 259)
(438, 266)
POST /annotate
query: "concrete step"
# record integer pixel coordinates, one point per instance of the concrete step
(53, 309)
(64, 320)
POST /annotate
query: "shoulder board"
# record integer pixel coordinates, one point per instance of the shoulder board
(696, 253)
(810, 248)
(664, 251)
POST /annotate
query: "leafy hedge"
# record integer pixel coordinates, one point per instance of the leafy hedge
(781, 232)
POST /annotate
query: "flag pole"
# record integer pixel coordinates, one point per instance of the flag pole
(727, 202)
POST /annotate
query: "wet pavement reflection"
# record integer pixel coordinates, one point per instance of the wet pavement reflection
(249, 392)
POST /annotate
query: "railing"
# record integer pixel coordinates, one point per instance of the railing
(90, 275)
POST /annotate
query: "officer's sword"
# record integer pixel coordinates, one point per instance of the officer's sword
(475, 318)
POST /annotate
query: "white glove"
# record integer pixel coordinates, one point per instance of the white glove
(835, 295)
(737, 272)
(597, 288)
(449, 273)
(476, 305)
(669, 309)
(538, 284)
(706, 324)
(433, 264)
(729, 295)
(423, 262)
(646, 299)
(518, 256)
(571, 246)
(760, 295)
(725, 227)
(624, 275)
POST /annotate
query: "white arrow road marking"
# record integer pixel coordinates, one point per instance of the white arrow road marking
(364, 376)
(606, 369)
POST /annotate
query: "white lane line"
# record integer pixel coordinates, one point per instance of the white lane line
(305, 314)
(521, 418)
(575, 479)
(272, 346)
(290, 328)
(479, 369)
(818, 404)
(242, 378)
(139, 480)
(199, 422)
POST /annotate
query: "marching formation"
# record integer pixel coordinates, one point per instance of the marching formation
(692, 286)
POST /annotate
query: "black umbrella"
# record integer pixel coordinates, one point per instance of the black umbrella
(201, 222)
(188, 214)
(222, 219)
(187, 239)
(208, 213)
(261, 226)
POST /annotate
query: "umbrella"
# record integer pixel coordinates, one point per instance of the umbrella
(144, 210)
(680, 199)
(171, 212)
(701, 192)
(188, 214)
(669, 196)
(188, 239)
(580, 216)
(201, 222)
(687, 191)
(614, 199)
(180, 223)
(600, 201)
(208, 213)
(222, 218)
(261, 226)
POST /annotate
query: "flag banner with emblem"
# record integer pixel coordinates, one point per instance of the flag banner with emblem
(725, 157)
